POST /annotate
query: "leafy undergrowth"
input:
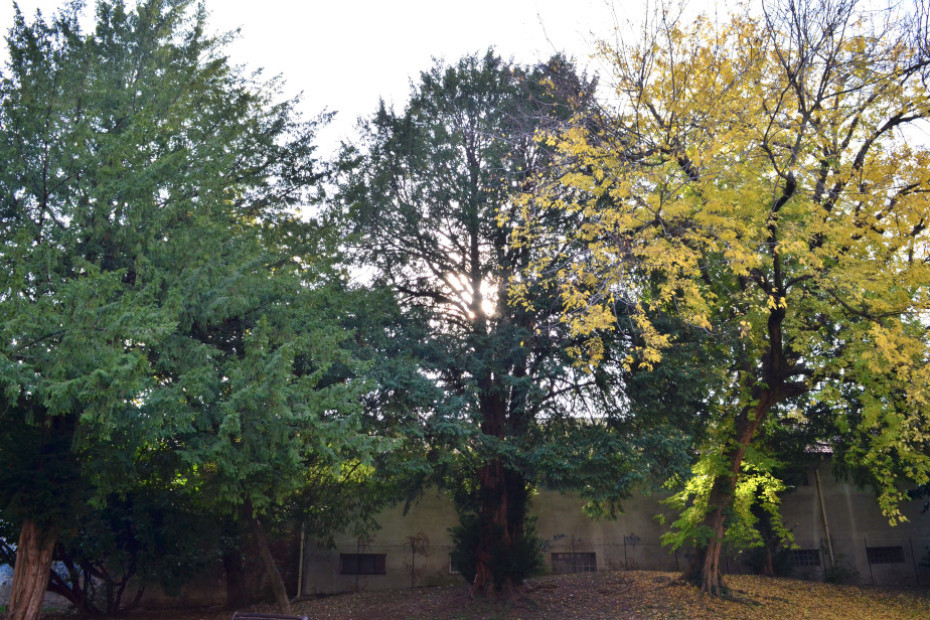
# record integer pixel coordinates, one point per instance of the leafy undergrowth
(619, 595)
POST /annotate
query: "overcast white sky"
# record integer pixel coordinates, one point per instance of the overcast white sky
(345, 54)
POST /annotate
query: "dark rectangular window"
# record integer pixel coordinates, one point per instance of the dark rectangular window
(563, 563)
(362, 564)
(885, 555)
(805, 557)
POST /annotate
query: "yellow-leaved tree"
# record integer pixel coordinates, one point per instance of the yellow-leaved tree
(755, 180)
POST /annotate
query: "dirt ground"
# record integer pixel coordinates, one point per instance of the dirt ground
(592, 596)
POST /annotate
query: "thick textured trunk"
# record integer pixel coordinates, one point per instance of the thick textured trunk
(768, 566)
(271, 569)
(502, 516)
(502, 501)
(711, 582)
(502, 486)
(30, 575)
(493, 519)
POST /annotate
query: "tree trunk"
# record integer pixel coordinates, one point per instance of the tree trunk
(271, 569)
(711, 582)
(493, 520)
(775, 368)
(501, 519)
(502, 490)
(768, 565)
(71, 587)
(724, 489)
(502, 500)
(31, 572)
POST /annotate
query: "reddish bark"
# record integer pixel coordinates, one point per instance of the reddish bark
(31, 572)
(501, 520)
(768, 567)
(502, 507)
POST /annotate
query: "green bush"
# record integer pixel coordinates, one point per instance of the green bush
(523, 559)
(842, 571)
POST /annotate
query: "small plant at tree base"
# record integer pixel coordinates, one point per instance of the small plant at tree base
(842, 571)
(521, 559)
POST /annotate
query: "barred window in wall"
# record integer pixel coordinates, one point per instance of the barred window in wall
(885, 555)
(563, 563)
(805, 557)
(362, 564)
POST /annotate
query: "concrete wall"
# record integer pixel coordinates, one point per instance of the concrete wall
(856, 524)
(416, 546)
(630, 542)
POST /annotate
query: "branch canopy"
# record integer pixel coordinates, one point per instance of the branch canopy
(755, 180)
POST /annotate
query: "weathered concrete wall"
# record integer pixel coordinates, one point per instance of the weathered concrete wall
(855, 524)
(630, 542)
(416, 546)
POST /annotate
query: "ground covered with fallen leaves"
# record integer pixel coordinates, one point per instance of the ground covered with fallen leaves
(617, 595)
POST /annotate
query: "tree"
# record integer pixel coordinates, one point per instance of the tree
(754, 182)
(425, 193)
(108, 557)
(160, 293)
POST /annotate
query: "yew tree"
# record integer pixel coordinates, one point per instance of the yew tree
(424, 195)
(426, 191)
(160, 294)
(756, 179)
